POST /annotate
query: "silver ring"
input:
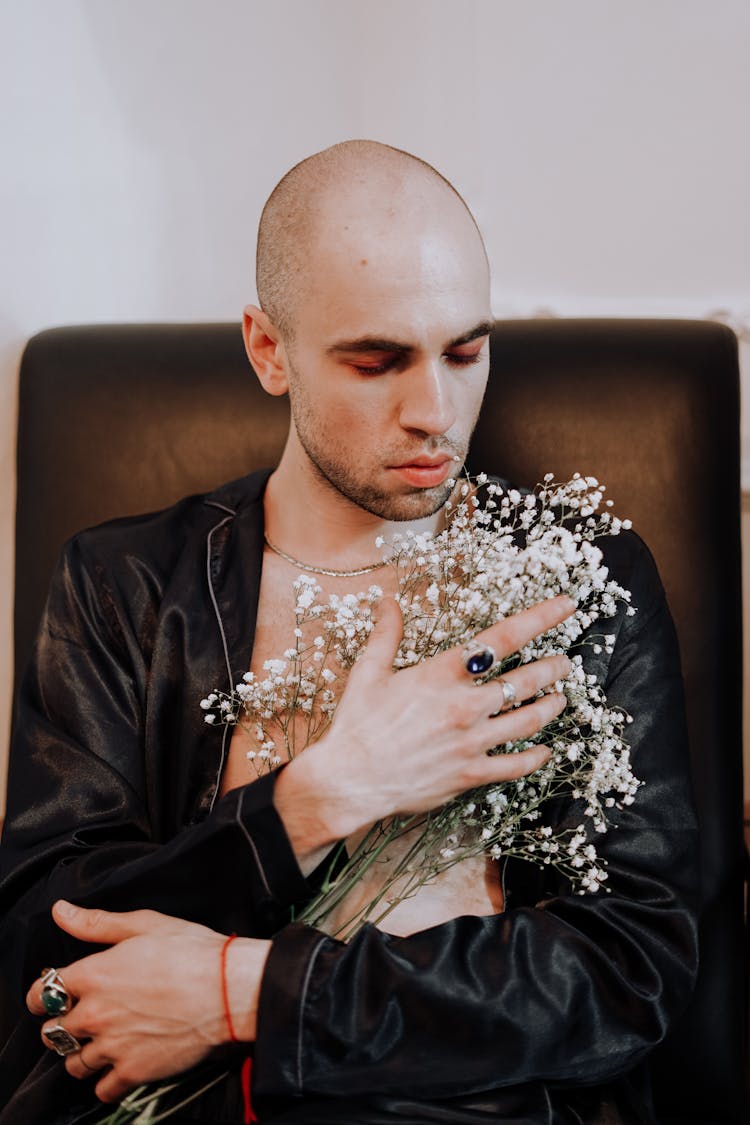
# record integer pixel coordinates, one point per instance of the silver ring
(509, 692)
(55, 997)
(61, 1040)
(93, 1069)
(478, 658)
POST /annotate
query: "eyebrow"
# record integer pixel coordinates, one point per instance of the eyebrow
(364, 344)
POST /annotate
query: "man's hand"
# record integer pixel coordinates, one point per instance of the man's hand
(151, 1006)
(411, 740)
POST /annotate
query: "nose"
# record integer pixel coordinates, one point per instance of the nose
(426, 404)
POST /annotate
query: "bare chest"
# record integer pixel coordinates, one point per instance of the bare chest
(471, 887)
(274, 633)
(278, 631)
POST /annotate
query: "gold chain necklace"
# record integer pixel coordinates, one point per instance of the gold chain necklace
(321, 569)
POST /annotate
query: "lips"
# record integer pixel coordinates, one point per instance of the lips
(425, 472)
(425, 462)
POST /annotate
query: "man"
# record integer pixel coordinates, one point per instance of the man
(374, 317)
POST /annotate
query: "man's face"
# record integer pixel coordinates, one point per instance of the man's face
(389, 363)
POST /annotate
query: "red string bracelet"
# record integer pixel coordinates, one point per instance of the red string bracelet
(245, 1074)
(224, 989)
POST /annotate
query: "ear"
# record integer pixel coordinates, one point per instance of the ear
(265, 350)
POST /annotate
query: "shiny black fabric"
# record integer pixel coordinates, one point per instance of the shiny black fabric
(541, 1014)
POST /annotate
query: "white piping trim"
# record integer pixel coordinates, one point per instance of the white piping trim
(251, 842)
(224, 644)
(305, 986)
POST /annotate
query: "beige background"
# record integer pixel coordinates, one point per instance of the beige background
(602, 145)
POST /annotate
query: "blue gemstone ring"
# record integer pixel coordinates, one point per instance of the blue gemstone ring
(55, 998)
(478, 658)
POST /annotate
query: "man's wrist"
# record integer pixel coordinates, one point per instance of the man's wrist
(314, 813)
(245, 962)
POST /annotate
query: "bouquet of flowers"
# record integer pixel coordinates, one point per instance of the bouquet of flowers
(496, 556)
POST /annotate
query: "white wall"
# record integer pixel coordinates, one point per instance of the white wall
(602, 145)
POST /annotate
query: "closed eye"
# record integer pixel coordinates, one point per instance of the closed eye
(380, 363)
(458, 359)
(388, 362)
(463, 355)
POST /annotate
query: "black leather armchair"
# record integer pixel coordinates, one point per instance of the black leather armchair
(120, 419)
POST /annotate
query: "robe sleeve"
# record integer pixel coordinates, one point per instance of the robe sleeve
(81, 823)
(569, 989)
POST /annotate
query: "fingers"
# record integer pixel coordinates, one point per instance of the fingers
(114, 1082)
(87, 1023)
(383, 642)
(125, 1025)
(70, 1039)
(34, 999)
(521, 722)
(506, 637)
(526, 681)
(104, 927)
(512, 633)
(512, 726)
(509, 767)
(90, 1060)
(114, 1086)
(515, 726)
(58, 1038)
(86, 1062)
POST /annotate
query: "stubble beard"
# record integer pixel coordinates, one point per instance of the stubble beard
(337, 475)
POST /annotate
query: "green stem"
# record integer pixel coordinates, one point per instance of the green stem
(191, 1098)
(418, 849)
(139, 1101)
(360, 862)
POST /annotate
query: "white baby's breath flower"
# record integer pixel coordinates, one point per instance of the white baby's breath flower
(490, 562)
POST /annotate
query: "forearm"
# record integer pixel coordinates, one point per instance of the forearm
(563, 987)
(235, 871)
(473, 1004)
(132, 1015)
(307, 810)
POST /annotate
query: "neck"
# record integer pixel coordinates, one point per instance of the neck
(311, 520)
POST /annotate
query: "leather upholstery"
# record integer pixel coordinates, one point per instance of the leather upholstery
(122, 419)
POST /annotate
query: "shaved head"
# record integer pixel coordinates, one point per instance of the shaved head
(350, 192)
(375, 318)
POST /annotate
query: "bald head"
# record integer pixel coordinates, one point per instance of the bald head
(359, 193)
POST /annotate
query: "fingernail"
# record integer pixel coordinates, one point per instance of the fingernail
(65, 908)
(568, 603)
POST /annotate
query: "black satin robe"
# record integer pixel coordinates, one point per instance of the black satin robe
(541, 1014)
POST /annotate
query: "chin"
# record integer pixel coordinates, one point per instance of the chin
(416, 504)
(412, 506)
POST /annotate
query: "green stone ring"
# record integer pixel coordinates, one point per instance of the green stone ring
(55, 998)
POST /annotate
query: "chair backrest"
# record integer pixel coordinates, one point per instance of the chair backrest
(120, 419)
